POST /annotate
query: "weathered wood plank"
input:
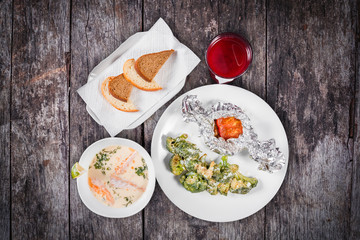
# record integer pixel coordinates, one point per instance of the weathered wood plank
(39, 120)
(310, 74)
(355, 197)
(5, 88)
(355, 139)
(98, 28)
(243, 17)
(194, 25)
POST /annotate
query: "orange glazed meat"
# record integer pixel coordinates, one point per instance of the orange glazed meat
(229, 127)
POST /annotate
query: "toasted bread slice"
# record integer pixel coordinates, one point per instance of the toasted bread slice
(148, 65)
(118, 104)
(135, 79)
(120, 88)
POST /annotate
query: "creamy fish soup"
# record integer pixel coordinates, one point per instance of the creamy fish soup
(118, 176)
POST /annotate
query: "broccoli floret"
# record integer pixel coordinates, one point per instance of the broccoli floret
(233, 168)
(205, 170)
(253, 181)
(217, 174)
(224, 162)
(183, 148)
(176, 166)
(223, 188)
(193, 182)
(190, 165)
(224, 172)
(242, 184)
(212, 188)
(170, 144)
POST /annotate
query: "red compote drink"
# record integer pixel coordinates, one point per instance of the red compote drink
(228, 57)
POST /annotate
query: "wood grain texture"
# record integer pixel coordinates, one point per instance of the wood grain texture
(310, 74)
(39, 120)
(5, 89)
(306, 65)
(194, 24)
(243, 17)
(98, 28)
(354, 140)
(355, 197)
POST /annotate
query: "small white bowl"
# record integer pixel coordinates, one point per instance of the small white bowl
(89, 199)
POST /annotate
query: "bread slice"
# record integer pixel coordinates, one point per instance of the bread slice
(135, 79)
(118, 104)
(120, 88)
(148, 65)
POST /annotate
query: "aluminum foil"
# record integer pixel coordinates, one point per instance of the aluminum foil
(265, 153)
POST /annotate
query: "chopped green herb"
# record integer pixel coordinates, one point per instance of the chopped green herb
(112, 151)
(128, 200)
(102, 158)
(140, 171)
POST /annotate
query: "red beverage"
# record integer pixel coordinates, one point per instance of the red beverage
(228, 57)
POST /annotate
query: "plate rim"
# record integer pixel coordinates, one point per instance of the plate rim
(142, 202)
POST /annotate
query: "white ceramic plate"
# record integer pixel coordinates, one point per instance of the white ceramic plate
(89, 199)
(220, 208)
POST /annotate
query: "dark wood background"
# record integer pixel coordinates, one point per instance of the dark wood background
(306, 66)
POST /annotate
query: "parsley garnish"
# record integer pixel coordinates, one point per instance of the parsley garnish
(129, 201)
(140, 170)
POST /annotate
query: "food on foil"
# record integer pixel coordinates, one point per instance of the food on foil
(228, 127)
(197, 175)
(264, 152)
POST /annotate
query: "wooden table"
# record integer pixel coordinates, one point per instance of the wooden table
(306, 66)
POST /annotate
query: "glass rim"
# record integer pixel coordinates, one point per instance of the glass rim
(229, 34)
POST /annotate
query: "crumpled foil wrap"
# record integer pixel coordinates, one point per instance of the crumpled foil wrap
(265, 153)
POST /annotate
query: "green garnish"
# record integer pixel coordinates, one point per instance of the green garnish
(128, 200)
(102, 157)
(140, 171)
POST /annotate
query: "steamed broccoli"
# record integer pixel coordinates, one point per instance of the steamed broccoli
(176, 166)
(224, 172)
(197, 175)
(242, 184)
(193, 182)
(212, 187)
(223, 188)
(183, 148)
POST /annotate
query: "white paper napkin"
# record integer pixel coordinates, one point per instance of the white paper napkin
(175, 70)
